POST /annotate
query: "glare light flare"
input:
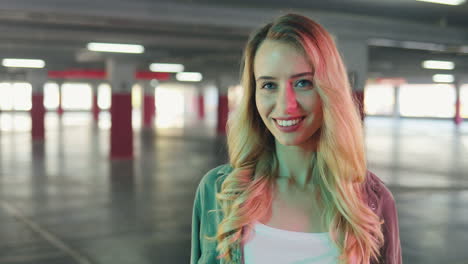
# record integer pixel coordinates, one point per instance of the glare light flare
(189, 76)
(113, 47)
(443, 78)
(166, 67)
(23, 63)
(445, 2)
(440, 65)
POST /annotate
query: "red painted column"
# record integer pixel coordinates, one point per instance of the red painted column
(37, 79)
(201, 106)
(359, 99)
(37, 116)
(59, 108)
(223, 82)
(121, 76)
(457, 119)
(121, 129)
(148, 111)
(149, 106)
(223, 112)
(95, 107)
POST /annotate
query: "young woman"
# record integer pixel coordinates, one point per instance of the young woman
(296, 189)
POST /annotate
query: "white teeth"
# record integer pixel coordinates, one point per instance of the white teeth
(288, 122)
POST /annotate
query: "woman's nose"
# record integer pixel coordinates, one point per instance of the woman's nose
(291, 102)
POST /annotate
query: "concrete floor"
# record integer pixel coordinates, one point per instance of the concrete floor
(63, 201)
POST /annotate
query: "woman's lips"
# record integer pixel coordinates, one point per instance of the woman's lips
(289, 129)
(288, 118)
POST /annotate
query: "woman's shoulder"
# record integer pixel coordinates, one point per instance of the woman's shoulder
(215, 177)
(378, 185)
(385, 208)
(378, 193)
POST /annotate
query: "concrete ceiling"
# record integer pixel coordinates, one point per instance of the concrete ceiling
(409, 10)
(208, 35)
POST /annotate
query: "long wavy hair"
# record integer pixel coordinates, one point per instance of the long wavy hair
(339, 164)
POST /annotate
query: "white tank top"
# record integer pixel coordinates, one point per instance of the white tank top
(268, 245)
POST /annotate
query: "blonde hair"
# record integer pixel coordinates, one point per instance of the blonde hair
(339, 165)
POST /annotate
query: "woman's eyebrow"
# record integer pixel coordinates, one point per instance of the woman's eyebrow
(301, 74)
(292, 76)
(265, 78)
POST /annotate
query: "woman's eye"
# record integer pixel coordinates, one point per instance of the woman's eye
(268, 86)
(303, 83)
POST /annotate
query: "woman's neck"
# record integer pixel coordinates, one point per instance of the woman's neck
(296, 163)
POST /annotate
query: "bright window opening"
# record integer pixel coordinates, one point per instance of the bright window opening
(104, 96)
(427, 100)
(464, 101)
(15, 96)
(379, 99)
(51, 96)
(76, 96)
(170, 106)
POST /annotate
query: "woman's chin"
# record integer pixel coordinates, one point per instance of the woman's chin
(288, 141)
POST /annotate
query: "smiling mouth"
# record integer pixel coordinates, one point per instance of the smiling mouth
(289, 123)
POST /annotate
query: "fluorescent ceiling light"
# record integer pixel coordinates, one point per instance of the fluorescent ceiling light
(440, 65)
(444, 2)
(112, 47)
(189, 76)
(23, 63)
(443, 78)
(166, 67)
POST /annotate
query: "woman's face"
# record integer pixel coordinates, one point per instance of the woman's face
(284, 89)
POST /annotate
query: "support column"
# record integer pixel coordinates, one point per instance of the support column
(457, 119)
(223, 113)
(396, 105)
(355, 56)
(60, 108)
(95, 107)
(200, 105)
(121, 76)
(223, 82)
(149, 106)
(37, 78)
